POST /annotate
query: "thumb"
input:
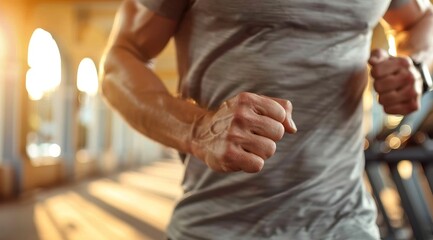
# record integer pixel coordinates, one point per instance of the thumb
(378, 55)
(288, 123)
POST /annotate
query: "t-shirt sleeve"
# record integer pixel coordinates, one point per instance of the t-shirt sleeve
(173, 9)
(398, 3)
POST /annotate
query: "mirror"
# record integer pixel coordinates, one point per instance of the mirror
(42, 81)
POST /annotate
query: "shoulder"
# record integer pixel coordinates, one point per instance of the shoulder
(173, 9)
(398, 3)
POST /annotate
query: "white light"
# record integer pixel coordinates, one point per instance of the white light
(33, 150)
(392, 50)
(54, 150)
(393, 121)
(87, 77)
(44, 150)
(389, 32)
(45, 64)
(405, 169)
(393, 142)
(33, 85)
(405, 130)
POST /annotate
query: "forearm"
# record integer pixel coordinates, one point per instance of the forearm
(141, 98)
(416, 41)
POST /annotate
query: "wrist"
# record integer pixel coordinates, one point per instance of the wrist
(192, 142)
(425, 75)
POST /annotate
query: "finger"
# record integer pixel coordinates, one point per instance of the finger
(288, 123)
(398, 96)
(277, 109)
(251, 163)
(403, 108)
(237, 158)
(265, 106)
(267, 127)
(246, 121)
(223, 167)
(260, 146)
(390, 66)
(378, 55)
(394, 81)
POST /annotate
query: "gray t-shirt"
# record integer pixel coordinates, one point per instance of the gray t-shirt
(311, 52)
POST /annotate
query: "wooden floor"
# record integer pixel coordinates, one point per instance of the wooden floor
(129, 205)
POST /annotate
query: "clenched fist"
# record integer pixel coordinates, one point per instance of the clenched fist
(397, 82)
(242, 133)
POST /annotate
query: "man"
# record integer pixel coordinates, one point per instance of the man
(253, 69)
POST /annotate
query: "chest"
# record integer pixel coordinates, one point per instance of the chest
(310, 14)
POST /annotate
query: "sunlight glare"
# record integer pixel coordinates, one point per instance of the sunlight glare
(45, 62)
(87, 77)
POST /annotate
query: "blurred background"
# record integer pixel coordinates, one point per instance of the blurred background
(71, 168)
(58, 138)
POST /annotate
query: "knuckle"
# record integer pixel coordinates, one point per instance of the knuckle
(378, 87)
(229, 156)
(232, 137)
(244, 119)
(410, 78)
(254, 164)
(403, 74)
(276, 132)
(268, 148)
(413, 93)
(244, 98)
(288, 105)
(243, 94)
(272, 147)
(280, 131)
(239, 116)
(267, 154)
(259, 166)
(281, 116)
(405, 61)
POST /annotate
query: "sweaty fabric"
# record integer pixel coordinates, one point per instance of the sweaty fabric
(313, 53)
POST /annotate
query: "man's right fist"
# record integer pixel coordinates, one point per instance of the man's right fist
(242, 133)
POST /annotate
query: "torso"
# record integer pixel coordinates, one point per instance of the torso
(313, 53)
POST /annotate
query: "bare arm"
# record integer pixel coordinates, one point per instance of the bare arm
(133, 89)
(240, 135)
(413, 23)
(397, 81)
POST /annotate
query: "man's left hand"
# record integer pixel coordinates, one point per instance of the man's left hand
(397, 82)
